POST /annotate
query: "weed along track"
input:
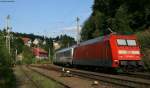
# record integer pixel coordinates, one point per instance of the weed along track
(28, 78)
(64, 86)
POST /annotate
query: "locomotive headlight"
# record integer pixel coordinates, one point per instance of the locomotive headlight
(135, 52)
(122, 52)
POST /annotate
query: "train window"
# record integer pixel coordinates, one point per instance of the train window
(131, 42)
(121, 42)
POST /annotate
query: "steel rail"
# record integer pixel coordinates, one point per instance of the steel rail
(66, 86)
(26, 74)
(124, 81)
(137, 75)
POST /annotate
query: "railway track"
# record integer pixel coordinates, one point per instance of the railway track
(138, 75)
(36, 84)
(115, 79)
(65, 86)
(30, 79)
(124, 81)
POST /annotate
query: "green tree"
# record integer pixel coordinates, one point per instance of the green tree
(6, 72)
(94, 26)
(19, 44)
(107, 7)
(27, 55)
(66, 41)
(122, 16)
(49, 46)
(120, 24)
(88, 29)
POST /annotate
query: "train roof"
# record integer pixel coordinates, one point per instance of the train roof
(66, 49)
(81, 44)
(103, 38)
(91, 41)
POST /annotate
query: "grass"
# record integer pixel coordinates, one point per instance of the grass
(44, 82)
(8, 79)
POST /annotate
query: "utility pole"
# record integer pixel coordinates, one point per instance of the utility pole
(78, 31)
(49, 54)
(8, 31)
(16, 56)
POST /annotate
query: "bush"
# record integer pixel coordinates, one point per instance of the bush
(7, 78)
(27, 55)
(144, 40)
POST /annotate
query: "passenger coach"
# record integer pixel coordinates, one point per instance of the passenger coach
(64, 56)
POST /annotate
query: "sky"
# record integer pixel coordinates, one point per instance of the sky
(45, 17)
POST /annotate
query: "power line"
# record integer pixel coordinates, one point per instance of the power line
(7, 1)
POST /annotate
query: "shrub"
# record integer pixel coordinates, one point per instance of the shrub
(144, 40)
(6, 72)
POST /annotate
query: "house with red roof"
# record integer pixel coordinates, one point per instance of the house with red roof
(27, 41)
(40, 53)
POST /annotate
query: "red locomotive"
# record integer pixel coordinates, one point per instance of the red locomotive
(111, 51)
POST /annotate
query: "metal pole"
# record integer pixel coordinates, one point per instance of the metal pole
(8, 33)
(78, 31)
(9, 42)
(16, 56)
(38, 52)
(6, 41)
(49, 54)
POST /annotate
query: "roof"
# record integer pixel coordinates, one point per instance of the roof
(91, 41)
(39, 50)
(66, 49)
(25, 40)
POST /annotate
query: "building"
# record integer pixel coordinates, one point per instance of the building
(56, 45)
(36, 41)
(40, 53)
(27, 41)
(19, 57)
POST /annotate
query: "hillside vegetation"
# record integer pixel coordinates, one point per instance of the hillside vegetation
(144, 40)
(121, 16)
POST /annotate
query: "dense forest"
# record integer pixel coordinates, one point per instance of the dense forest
(65, 41)
(122, 17)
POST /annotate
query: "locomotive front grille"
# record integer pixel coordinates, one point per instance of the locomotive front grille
(130, 63)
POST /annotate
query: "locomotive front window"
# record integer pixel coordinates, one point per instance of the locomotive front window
(121, 42)
(131, 42)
